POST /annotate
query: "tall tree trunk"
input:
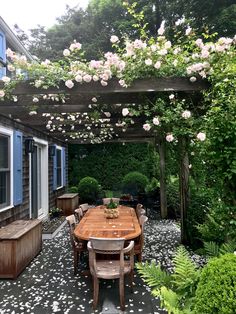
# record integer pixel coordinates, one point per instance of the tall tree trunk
(184, 187)
(161, 149)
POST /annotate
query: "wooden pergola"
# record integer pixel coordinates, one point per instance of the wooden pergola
(78, 100)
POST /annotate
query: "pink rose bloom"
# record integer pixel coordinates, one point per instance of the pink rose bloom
(69, 83)
(87, 78)
(169, 137)
(201, 136)
(78, 78)
(104, 83)
(147, 127)
(172, 96)
(94, 99)
(6, 79)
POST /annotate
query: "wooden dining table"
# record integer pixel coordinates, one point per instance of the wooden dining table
(95, 224)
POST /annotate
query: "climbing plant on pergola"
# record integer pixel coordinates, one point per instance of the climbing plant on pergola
(149, 90)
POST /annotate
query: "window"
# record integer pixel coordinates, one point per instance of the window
(59, 167)
(5, 171)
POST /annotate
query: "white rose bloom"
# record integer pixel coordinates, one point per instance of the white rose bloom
(169, 138)
(186, 114)
(66, 52)
(114, 39)
(147, 126)
(69, 83)
(125, 112)
(201, 136)
(156, 121)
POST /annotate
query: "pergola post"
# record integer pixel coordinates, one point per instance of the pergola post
(161, 149)
(184, 187)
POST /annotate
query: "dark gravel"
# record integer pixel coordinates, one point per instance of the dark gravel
(48, 285)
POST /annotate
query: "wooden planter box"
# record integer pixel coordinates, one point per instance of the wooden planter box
(20, 242)
(68, 203)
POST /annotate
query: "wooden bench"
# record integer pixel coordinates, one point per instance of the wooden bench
(20, 242)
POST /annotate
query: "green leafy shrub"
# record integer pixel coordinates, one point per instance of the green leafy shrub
(88, 189)
(216, 291)
(73, 189)
(200, 201)
(219, 224)
(173, 198)
(176, 290)
(134, 182)
(153, 187)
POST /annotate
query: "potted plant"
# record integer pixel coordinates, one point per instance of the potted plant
(55, 212)
(111, 210)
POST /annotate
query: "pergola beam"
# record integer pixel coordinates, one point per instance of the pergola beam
(161, 84)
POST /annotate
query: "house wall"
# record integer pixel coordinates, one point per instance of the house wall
(22, 211)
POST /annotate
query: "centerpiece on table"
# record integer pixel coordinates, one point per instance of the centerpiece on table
(111, 210)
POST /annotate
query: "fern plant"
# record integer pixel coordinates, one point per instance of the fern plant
(177, 290)
(213, 249)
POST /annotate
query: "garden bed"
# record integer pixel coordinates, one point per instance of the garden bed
(52, 226)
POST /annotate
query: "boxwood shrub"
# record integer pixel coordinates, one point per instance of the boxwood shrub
(88, 189)
(134, 183)
(216, 291)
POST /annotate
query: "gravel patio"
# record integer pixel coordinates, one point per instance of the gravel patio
(48, 285)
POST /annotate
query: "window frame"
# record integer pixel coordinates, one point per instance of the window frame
(59, 148)
(9, 132)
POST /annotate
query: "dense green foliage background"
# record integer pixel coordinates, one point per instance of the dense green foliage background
(109, 163)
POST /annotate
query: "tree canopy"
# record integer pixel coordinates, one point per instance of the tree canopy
(94, 26)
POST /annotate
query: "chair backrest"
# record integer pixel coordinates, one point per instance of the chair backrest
(84, 207)
(71, 222)
(78, 214)
(140, 210)
(108, 199)
(109, 247)
(142, 220)
(116, 200)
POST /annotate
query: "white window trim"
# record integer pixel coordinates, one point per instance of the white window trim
(9, 132)
(62, 174)
(44, 178)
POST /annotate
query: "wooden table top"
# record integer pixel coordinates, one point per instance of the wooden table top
(94, 224)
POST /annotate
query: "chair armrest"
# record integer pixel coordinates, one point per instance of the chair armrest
(129, 247)
(89, 246)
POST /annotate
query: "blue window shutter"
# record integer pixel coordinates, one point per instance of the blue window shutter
(2, 53)
(55, 171)
(64, 166)
(17, 168)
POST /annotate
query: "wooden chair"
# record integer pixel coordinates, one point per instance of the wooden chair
(140, 210)
(78, 246)
(108, 199)
(84, 207)
(139, 241)
(78, 214)
(110, 268)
